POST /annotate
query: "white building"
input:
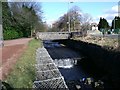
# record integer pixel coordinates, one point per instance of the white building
(94, 30)
(94, 26)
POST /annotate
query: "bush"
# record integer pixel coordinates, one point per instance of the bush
(116, 31)
(10, 33)
(20, 34)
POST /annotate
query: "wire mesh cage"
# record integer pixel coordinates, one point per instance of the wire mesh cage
(45, 67)
(44, 75)
(45, 61)
(48, 75)
(56, 83)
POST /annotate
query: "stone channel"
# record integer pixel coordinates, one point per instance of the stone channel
(67, 61)
(58, 68)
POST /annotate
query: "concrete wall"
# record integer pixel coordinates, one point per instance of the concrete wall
(52, 35)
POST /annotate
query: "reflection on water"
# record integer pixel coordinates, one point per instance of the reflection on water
(65, 63)
(50, 44)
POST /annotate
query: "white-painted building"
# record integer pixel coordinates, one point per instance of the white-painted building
(94, 26)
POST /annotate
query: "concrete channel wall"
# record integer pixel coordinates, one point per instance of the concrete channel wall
(102, 62)
(48, 75)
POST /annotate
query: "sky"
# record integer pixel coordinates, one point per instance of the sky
(53, 10)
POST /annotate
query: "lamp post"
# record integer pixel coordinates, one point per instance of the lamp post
(69, 17)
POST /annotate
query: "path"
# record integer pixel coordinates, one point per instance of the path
(10, 53)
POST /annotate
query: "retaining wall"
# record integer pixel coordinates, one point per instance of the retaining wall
(48, 75)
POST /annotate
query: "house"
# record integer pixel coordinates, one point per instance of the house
(94, 27)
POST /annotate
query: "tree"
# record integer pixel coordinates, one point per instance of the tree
(85, 21)
(116, 24)
(25, 15)
(79, 21)
(6, 15)
(103, 24)
(62, 23)
(21, 17)
(75, 18)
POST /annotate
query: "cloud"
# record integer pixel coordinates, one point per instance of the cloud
(108, 14)
(113, 10)
(111, 13)
(50, 19)
(50, 22)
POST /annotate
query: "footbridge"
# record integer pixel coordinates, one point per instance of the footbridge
(48, 75)
(52, 35)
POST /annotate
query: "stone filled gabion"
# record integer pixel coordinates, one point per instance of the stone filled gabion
(47, 74)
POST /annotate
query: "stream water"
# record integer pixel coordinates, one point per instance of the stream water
(67, 62)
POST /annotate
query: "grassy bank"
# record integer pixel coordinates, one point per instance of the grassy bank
(23, 73)
(104, 42)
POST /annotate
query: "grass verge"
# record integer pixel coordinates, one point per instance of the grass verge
(23, 73)
(104, 42)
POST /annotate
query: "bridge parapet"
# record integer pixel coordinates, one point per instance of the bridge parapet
(52, 35)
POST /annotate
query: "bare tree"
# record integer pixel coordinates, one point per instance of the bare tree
(75, 17)
(85, 21)
(27, 15)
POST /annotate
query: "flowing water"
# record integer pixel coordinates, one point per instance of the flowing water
(67, 62)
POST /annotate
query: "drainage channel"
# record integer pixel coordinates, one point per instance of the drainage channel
(67, 62)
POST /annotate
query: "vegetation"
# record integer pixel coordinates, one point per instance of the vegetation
(108, 43)
(103, 24)
(116, 24)
(21, 18)
(76, 18)
(23, 73)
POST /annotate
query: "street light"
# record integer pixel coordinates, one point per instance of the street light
(69, 16)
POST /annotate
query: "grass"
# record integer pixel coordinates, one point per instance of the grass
(100, 41)
(23, 73)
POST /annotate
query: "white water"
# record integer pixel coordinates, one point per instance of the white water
(65, 63)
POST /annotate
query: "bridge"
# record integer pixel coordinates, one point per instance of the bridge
(48, 75)
(52, 35)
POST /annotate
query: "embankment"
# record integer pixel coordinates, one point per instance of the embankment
(101, 63)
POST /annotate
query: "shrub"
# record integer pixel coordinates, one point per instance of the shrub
(10, 33)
